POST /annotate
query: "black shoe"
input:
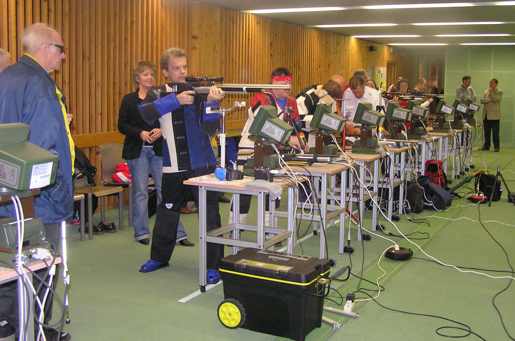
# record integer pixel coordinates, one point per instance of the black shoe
(107, 227)
(52, 334)
(224, 199)
(497, 150)
(186, 242)
(144, 241)
(97, 229)
(485, 148)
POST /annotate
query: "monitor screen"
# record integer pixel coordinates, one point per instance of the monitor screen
(400, 114)
(368, 118)
(474, 107)
(446, 109)
(462, 108)
(330, 122)
(273, 131)
(419, 111)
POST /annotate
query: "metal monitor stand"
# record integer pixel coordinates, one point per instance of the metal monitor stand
(24, 297)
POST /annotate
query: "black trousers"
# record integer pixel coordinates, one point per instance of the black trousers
(168, 214)
(491, 126)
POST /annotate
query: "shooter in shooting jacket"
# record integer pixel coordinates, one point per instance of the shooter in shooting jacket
(187, 153)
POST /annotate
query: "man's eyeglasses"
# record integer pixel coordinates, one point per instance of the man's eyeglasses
(60, 47)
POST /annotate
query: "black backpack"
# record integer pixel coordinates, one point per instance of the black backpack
(415, 197)
(84, 169)
(440, 198)
(489, 185)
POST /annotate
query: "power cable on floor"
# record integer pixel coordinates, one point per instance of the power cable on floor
(510, 281)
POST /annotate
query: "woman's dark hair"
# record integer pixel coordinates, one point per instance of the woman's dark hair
(281, 71)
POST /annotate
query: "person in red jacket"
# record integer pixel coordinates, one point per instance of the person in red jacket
(285, 103)
(287, 110)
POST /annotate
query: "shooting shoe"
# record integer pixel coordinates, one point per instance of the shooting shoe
(152, 265)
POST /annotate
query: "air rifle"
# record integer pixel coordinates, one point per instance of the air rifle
(201, 86)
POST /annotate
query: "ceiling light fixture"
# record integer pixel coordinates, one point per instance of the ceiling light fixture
(488, 44)
(473, 35)
(462, 23)
(388, 36)
(356, 25)
(429, 5)
(295, 10)
(418, 44)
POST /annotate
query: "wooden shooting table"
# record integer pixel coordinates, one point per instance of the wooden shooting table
(424, 149)
(321, 212)
(363, 161)
(230, 234)
(396, 176)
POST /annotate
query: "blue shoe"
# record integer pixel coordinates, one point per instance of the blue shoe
(213, 276)
(152, 265)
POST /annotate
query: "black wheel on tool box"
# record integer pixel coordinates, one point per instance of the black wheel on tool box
(231, 313)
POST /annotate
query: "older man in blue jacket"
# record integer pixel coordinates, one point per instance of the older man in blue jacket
(29, 95)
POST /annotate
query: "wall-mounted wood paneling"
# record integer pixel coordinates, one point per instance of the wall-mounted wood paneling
(105, 38)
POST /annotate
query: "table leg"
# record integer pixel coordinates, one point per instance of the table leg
(401, 188)
(261, 220)
(202, 210)
(272, 219)
(102, 203)
(82, 216)
(391, 184)
(440, 149)
(343, 197)
(423, 158)
(90, 215)
(235, 220)
(362, 184)
(332, 184)
(323, 217)
(453, 153)
(375, 193)
(351, 197)
(120, 210)
(445, 156)
(292, 200)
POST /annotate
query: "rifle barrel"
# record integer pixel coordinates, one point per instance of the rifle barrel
(243, 88)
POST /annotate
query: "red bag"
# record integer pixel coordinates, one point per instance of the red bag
(434, 171)
(122, 174)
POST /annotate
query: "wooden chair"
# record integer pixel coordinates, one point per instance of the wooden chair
(110, 155)
(81, 198)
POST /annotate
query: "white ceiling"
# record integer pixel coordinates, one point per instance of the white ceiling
(403, 17)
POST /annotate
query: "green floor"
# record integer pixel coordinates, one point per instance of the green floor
(111, 300)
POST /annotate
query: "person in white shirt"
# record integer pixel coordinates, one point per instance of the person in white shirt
(358, 92)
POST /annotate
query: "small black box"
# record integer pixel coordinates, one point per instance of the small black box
(275, 293)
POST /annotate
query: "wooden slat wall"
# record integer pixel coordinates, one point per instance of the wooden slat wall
(105, 38)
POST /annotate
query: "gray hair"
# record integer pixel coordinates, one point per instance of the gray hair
(169, 53)
(37, 35)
